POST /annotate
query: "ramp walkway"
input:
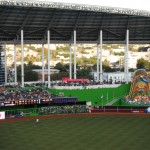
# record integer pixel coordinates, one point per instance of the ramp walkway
(112, 102)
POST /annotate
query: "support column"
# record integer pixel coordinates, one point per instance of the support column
(127, 57)
(70, 64)
(97, 63)
(22, 60)
(101, 46)
(75, 72)
(125, 70)
(48, 44)
(43, 77)
(5, 64)
(15, 64)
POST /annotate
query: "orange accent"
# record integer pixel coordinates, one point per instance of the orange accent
(145, 88)
(137, 88)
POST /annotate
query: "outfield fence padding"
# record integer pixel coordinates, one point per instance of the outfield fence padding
(98, 97)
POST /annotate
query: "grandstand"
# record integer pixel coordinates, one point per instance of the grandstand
(62, 113)
(48, 22)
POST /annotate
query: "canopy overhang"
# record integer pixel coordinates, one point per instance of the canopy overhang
(35, 18)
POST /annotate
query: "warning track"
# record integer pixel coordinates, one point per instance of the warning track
(76, 115)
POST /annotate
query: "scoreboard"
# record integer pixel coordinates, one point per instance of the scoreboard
(25, 102)
(55, 100)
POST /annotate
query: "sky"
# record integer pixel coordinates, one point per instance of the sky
(132, 4)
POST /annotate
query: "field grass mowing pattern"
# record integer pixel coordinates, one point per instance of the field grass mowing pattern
(81, 133)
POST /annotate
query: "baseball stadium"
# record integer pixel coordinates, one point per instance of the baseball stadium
(71, 116)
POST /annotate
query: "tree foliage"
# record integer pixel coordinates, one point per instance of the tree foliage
(142, 63)
(61, 67)
(119, 53)
(64, 72)
(84, 61)
(29, 75)
(143, 49)
(84, 73)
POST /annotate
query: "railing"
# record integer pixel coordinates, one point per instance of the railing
(88, 87)
(19, 113)
(74, 109)
(118, 109)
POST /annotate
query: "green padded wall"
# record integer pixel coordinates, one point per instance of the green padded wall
(98, 97)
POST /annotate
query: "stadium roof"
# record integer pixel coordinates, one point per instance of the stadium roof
(35, 18)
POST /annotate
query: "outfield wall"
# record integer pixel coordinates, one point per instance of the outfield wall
(98, 97)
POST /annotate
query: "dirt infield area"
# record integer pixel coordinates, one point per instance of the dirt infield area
(77, 115)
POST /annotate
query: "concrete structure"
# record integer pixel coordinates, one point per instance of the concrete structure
(40, 73)
(71, 23)
(113, 76)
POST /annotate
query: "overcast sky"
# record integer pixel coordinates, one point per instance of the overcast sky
(133, 4)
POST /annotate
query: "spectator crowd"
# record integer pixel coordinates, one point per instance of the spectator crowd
(22, 94)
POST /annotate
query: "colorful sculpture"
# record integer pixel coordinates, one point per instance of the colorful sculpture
(140, 88)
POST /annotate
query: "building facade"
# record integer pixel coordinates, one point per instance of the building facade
(113, 77)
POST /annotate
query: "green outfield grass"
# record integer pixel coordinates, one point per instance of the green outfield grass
(80, 133)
